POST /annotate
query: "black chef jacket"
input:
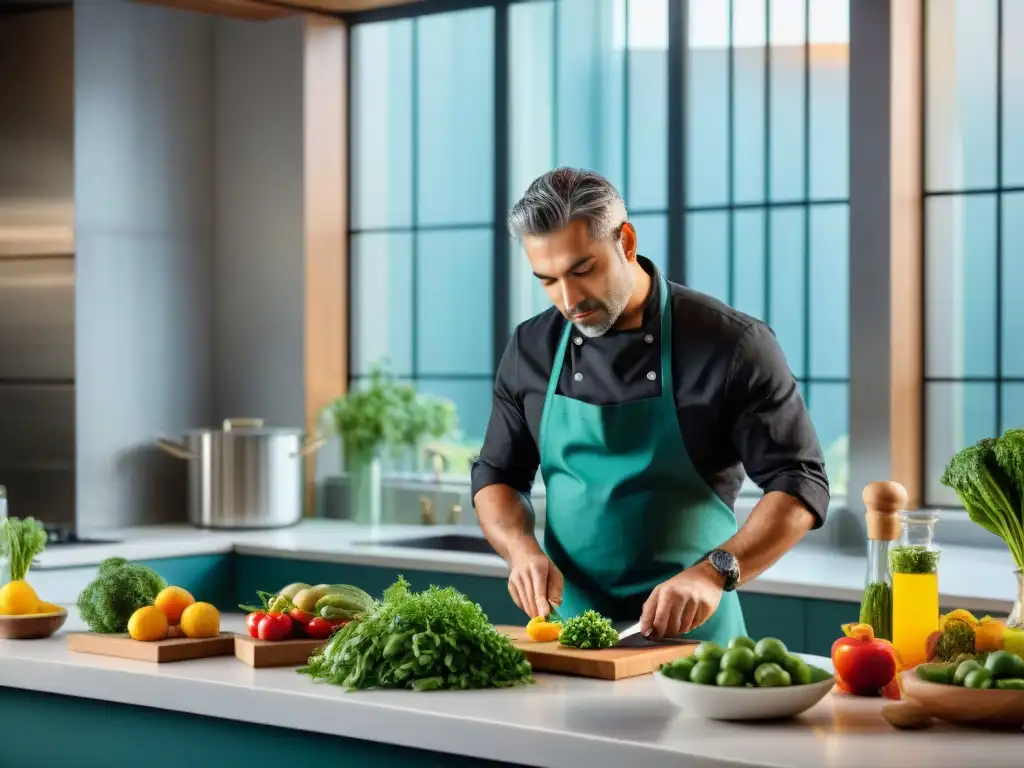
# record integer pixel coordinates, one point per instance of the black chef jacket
(737, 401)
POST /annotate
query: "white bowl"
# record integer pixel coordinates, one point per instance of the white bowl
(717, 703)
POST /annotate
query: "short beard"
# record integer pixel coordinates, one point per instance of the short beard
(612, 307)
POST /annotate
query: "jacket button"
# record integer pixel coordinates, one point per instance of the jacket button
(649, 338)
(577, 340)
(578, 376)
(652, 375)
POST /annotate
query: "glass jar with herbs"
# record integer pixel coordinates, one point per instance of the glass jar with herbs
(883, 501)
(915, 585)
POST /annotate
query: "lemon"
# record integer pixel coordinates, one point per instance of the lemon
(17, 598)
(147, 624)
(200, 620)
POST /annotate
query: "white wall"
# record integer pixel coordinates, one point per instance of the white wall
(144, 231)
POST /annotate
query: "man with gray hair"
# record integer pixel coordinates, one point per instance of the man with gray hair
(643, 403)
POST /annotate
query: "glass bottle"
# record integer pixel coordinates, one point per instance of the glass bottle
(883, 501)
(915, 585)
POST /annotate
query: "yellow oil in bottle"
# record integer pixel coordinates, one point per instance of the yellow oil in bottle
(915, 614)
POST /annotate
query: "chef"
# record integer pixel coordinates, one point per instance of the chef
(642, 402)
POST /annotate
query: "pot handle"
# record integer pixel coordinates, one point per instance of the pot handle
(230, 424)
(309, 445)
(177, 450)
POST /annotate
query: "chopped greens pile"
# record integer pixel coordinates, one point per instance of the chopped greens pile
(587, 631)
(989, 479)
(421, 641)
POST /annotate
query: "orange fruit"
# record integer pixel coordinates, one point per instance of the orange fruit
(173, 601)
(200, 620)
(148, 624)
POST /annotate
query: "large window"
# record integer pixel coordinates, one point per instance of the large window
(723, 124)
(422, 206)
(974, 227)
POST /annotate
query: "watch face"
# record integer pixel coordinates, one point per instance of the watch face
(723, 561)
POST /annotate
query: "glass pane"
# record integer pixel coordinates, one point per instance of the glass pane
(528, 295)
(960, 284)
(531, 93)
(1012, 285)
(788, 31)
(707, 101)
(651, 239)
(749, 283)
(381, 125)
(381, 291)
(960, 97)
(455, 114)
(1013, 86)
(590, 88)
(830, 291)
(454, 319)
(829, 405)
(830, 96)
(647, 183)
(707, 253)
(748, 126)
(472, 399)
(957, 415)
(788, 281)
(1012, 406)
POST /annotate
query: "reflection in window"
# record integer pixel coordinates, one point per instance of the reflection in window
(974, 209)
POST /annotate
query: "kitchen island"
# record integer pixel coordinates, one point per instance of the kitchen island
(71, 709)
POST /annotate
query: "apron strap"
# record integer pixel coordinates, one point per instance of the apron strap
(668, 390)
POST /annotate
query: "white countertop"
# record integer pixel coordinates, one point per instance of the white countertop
(978, 579)
(557, 722)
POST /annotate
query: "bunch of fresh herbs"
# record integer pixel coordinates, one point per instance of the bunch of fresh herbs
(588, 630)
(430, 640)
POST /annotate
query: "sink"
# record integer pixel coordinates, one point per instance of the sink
(450, 542)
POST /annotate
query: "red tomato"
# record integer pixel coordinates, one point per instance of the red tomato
(252, 623)
(891, 690)
(864, 666)
(299, 616)
(275, 626)
(319, 627)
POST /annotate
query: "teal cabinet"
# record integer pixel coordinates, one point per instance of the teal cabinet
(106, 734)
(209, 578)
(775, 616)
(825, 619)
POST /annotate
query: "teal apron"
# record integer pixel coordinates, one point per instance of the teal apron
(626, 510)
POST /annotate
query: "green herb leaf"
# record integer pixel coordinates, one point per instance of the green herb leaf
(20, 541)
(588, 630)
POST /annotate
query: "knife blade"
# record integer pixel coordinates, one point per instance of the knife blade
(629, 632)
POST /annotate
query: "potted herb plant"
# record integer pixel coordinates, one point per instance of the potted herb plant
(384, 414)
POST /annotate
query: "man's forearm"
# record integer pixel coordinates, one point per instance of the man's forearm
(507, 521)
(775, 525)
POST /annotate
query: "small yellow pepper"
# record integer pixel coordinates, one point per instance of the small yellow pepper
(960, 614)
(989, 635)
(541, 630)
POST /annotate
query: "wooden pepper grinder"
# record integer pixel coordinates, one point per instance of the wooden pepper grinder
(883, 501)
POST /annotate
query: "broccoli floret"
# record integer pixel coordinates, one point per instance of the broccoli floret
(989, 479)
(119, 589)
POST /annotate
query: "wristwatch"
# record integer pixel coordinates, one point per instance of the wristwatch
(727, 565)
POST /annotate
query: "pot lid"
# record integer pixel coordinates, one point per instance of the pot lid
(248, 427)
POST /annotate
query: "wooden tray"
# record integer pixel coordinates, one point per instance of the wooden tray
(605, 664)
(282, 653)
(158, 651)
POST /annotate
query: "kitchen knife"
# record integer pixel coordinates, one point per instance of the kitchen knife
(629, 632)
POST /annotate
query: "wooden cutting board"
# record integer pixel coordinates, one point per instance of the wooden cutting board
(605, 664)
(282, 653)
(157, 651)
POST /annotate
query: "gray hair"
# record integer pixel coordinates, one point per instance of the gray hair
(564, 195)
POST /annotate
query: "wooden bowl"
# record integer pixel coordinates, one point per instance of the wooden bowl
(32, 627)
(992, 709)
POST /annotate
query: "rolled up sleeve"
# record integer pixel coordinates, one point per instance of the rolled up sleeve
(771, 427)
(509, 455)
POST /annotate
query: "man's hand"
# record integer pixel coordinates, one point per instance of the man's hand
(535, 583)
(682, 603)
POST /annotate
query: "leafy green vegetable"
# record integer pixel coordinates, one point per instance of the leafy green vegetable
(420, 641)
(989, 479)
(119, 589)
(957, 639)
(21, 539)
(588, 630)
(914, 558)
